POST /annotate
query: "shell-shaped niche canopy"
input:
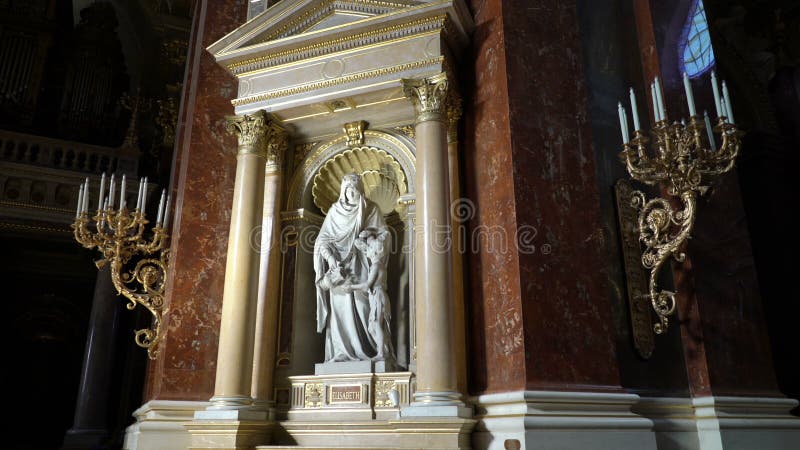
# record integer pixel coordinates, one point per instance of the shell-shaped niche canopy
(383, 178)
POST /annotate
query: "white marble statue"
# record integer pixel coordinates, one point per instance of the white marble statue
(350, 258)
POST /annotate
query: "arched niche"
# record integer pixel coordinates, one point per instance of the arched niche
(299, 345)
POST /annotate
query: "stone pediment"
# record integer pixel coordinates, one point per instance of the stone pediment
(310, 58)
(295, 17)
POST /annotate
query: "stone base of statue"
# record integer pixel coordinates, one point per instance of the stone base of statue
(362, 410)
(345, 367)
(345, 391)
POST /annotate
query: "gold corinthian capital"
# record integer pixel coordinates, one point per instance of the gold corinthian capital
(429, 96)
(261, 135)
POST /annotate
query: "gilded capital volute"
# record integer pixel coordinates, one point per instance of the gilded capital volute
(429, 96)
(261, 135)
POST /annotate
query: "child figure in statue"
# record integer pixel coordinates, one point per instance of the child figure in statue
(372, 242)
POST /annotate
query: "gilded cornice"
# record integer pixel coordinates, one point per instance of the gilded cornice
(337, 81)
(343, 43)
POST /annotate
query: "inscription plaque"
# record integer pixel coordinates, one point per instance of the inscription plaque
(350, 393)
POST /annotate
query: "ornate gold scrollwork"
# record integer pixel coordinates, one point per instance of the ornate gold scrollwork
(313, 395)
(355, 133)
(119, 237)
(684, 164)
(382, 388)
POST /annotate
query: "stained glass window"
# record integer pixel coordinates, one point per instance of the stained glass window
(697, 56)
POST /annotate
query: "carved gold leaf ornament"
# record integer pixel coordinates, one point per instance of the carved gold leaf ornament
(407, 130)
(355, 133)
(429, 96)
(685, 165)
(260, 134)
(383, 179)
(301, 151)
(313, 395)
(382, 388)
(119, 236)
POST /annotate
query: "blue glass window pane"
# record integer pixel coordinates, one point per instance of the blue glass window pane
(698, 56)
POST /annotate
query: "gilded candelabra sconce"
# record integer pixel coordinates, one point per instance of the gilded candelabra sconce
(683, 159)
(119, 234)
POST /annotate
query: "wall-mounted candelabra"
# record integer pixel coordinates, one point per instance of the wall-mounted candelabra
(684, 159)
(137, 262)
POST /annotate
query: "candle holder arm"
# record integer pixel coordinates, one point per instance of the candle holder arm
(663, 232)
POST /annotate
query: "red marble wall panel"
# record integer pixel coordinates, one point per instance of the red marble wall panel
(542, 311)
(202, 185)
(722, 311)
(497, 357)
(569, 333)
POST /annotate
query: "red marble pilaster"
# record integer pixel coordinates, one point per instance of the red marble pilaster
(497, 361)
(542, 309)
(202, 185)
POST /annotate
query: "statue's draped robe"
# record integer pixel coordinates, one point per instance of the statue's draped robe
(344, 317)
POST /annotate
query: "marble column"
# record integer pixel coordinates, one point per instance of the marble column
(437, 393)
(269, 281)
(90, 428)
(232, 389)
(460, 211)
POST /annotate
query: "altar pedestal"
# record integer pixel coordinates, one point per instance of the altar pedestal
(364, 396)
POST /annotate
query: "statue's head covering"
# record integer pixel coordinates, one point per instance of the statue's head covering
(351, 180)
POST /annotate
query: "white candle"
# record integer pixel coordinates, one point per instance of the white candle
(144, 194)
(122, 194)
(655, 102)
(710, 133)
(86, 196)
(80, 202)
(111, 190)
(727, 97)
(102, 216)
(661, 111)
(687, 86)
(102, 189)
(715, 88)
(161, 207)
(635, 111)
(722, 106)
(627, 132)
(139, 194)
(166, 213)
(621, 113)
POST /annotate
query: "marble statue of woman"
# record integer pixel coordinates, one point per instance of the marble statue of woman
(343, 313)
